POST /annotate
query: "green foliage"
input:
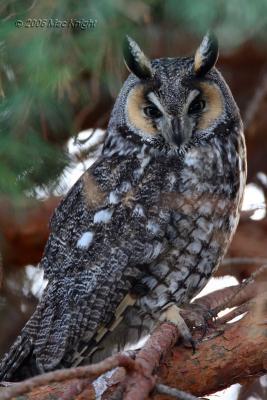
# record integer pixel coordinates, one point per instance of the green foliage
(234, 21)
(49, 74)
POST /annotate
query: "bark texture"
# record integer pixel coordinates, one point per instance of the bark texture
(233, 353)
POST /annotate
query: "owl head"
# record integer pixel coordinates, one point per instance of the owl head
(174, 102)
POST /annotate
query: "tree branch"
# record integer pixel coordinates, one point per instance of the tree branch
(25, 228)
(176, 393)
(236, 355)
(89, 371)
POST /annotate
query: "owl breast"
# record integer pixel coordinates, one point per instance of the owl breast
(199, 201)
(205, 201)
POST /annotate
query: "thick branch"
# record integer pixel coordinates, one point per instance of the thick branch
(233, 357)
(237, 355)
(140, 383)
(90, 371)
(25, 228)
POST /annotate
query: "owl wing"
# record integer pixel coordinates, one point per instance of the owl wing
(98, 238)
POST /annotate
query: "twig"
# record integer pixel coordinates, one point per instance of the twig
(90, 371)
(237, 355)
(234, 313)
(247, 282)
(244, 260)
(76, 388)
(235, 295)
(139, 380)
(139, 384)
(176, 393)
(215, 299)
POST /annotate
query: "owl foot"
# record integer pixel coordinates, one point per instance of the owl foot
(173, 315)
(198, 317)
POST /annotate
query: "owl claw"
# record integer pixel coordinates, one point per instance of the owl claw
(198, 316)
(172, 314)
(191, 343)
(192, 316)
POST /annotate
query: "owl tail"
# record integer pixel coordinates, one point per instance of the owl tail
(35, 350)
(18, 364)
(48, 339)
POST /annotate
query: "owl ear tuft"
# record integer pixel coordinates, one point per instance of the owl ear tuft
(206, 54)
(135, 60)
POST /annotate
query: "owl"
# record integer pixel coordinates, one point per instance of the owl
(146, 226)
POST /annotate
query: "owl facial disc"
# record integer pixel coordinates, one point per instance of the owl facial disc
(173, 101)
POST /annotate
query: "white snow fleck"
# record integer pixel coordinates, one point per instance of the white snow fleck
(85, 240)
(102, 216)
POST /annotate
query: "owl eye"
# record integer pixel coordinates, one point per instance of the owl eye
(152, 111)
(196, 106)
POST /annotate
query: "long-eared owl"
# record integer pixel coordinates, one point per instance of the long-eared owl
(148, 223)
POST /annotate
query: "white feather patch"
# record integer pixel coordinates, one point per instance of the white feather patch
(85, 240)
(102, 216)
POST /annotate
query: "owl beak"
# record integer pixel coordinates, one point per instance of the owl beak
(179, 134)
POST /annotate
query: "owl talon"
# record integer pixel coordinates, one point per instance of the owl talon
(193, 345)
(198, 316)
(173, 315)
(130, 353)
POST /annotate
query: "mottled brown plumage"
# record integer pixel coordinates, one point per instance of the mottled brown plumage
(147, 225)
